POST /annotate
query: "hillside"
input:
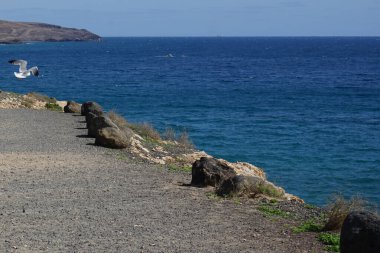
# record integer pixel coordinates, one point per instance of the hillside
(16, 32)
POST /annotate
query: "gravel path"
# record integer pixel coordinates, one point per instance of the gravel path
(60, 193)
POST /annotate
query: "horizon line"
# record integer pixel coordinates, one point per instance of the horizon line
(240, 36)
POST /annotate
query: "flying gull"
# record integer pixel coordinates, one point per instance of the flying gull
(23, 72)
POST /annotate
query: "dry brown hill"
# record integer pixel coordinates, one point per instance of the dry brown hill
(16, 32)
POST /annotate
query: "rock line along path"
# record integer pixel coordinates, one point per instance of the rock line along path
(60, 193)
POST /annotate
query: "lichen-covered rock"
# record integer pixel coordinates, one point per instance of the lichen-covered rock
(360, 233)
(209, 171)
(250, 186)
(93, 107)
(111, 137)
(72, 107)
(97, 123)
(246, 169)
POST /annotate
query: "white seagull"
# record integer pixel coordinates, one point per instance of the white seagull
(23, 72)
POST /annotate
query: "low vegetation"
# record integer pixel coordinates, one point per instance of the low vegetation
(174, 167)
(272, 210)
(331, 240)
(309, 226)
(169, 134)
(41, 97)
(181, 138)
(53, 107)
(146, 131)
(338, 209)
(213, 196)
(184, 140)
(27, 103)
(118, 120)
(269, 190)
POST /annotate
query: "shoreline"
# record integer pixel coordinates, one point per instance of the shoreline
(41, 166)
(169, 151)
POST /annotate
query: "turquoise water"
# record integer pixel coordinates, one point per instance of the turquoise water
(307, 110)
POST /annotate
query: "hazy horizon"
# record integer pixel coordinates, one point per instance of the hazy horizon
(210, 18)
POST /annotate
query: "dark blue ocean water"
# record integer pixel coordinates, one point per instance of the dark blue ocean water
(307, 110)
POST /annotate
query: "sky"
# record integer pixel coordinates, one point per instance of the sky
(204, 17)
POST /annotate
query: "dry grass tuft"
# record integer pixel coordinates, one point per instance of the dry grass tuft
(41, 97)
(119, 120)
(339, 208)
(185, 141)
(169, 134)
(146, 131)
(182, 139)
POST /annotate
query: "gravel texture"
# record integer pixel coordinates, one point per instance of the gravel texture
(60, 193)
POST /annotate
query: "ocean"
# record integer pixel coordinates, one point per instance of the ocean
(305, 109)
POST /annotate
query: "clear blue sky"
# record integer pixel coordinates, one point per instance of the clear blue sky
(204, 17)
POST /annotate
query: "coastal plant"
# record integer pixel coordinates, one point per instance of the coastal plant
(338, 209)
(332, 240)
(309, 206)
(270, 210)
(269, 190)
(184, 140)
(119, 120)
(122, 156)
(169, 134)
(53, 107)
(27, 103)
(308, 226)
(213, 196)
(174, 167)
(42, 97)
(146, 131)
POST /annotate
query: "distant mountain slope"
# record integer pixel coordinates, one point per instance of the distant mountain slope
(16, 32)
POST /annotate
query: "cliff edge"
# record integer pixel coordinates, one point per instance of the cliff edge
(17, 32)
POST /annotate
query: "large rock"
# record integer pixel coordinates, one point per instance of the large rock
(360, 233)
(72, 107)
(98, 123)
(246, 169)
(250, 186)
(89, 117)
(111, 137)
(93, 107)
(209, 171)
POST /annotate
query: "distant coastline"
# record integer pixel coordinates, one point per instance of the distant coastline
(20, 32)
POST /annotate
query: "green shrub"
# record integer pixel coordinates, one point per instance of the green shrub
(269, 190)
(174, 167)
(53, 107)
(272, 211)
(331, 240)
(308, 226)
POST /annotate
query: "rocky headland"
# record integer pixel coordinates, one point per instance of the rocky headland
(18, 32)
(89, 180)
